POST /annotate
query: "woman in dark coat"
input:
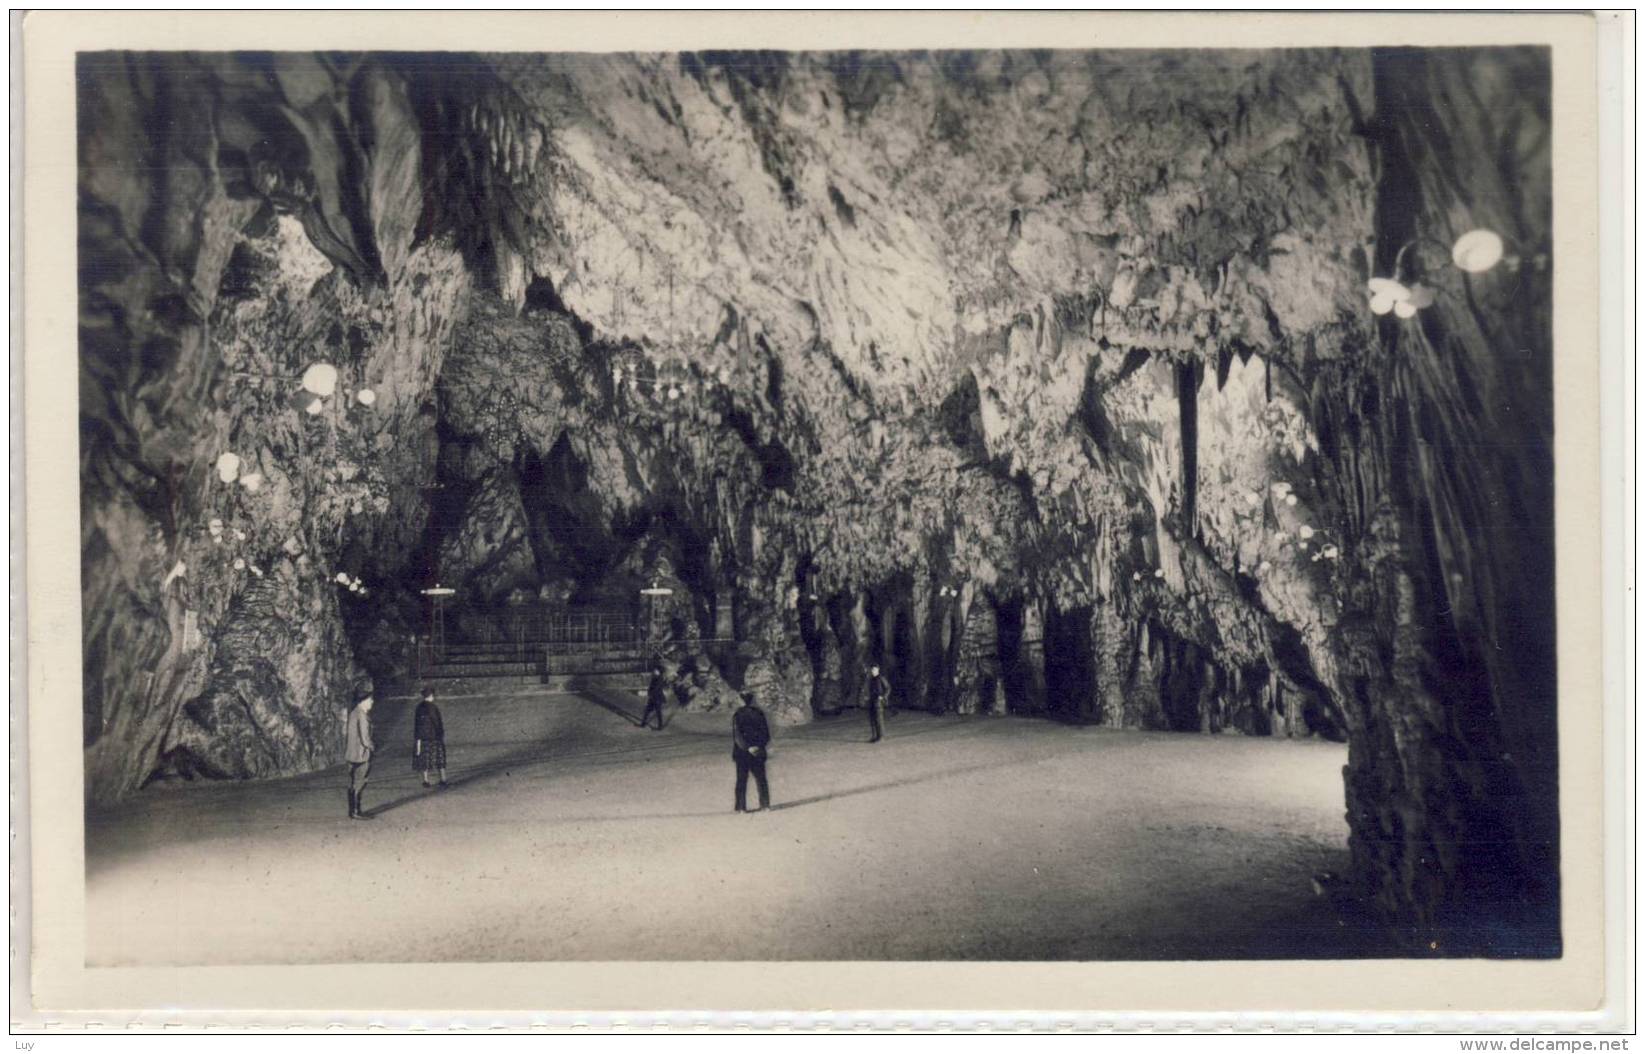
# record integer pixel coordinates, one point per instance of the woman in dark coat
(429, 752)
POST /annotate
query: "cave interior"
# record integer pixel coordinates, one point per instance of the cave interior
(1047, 381)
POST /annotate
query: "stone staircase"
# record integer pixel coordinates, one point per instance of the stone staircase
(526, 669)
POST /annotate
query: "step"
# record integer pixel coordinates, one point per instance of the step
(472, 689)
(508, 645)
(455, 688)
(591, 671)
(446, 671)
(583, 681)
(483, 669)
(486, 660)
(515, 654)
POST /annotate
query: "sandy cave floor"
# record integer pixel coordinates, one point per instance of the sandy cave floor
(570, 834)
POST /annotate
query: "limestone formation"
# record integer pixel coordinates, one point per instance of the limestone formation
(1047, 381)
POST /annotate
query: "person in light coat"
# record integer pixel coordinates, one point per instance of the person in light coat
(358, 750)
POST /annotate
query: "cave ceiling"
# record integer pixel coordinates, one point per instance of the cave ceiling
(956, 355)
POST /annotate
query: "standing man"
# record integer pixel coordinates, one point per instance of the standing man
(750, 739)
(654, 696)
(879, 694)
(358, 754)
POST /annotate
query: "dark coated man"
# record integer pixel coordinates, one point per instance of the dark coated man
(655, 694)
(750, 744)
(879, 697)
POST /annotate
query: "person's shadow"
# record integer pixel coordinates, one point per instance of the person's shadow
(532, 755)
(852, 792)
(607, 699)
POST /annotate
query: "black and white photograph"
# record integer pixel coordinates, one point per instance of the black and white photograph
(1079, 504)
(785, 505)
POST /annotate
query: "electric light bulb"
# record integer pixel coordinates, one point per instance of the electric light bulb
(321, 379)
(1477, 251)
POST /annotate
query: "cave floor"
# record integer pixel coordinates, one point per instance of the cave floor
(571, 834)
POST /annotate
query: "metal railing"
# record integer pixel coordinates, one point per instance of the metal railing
(521, 635)
(551, 625)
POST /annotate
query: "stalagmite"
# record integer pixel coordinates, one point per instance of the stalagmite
(849, 396)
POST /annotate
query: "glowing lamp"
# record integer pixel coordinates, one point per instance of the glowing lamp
(321, 379)
(1385, 293)
(1477, 251)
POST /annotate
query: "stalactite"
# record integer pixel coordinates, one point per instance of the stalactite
(833, 427)
(1189, 375)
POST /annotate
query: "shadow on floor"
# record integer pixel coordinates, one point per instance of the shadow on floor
(853, 728)
(526, 759)
(538, 754)
(612, 699)
(890, 784)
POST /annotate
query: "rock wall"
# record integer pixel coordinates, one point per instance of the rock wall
(240, 221)
(1438, 458)
(1047, 381)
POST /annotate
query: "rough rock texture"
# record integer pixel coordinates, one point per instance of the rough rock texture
(219, 257)
(1439, 461)
(1046, 381)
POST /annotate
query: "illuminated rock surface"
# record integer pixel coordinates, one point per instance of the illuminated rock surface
(1047, 381)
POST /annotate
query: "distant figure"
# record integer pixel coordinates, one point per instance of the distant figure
(879, 694)
(654, 696)
(750, 738)
(429, 751)
(358, 755)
